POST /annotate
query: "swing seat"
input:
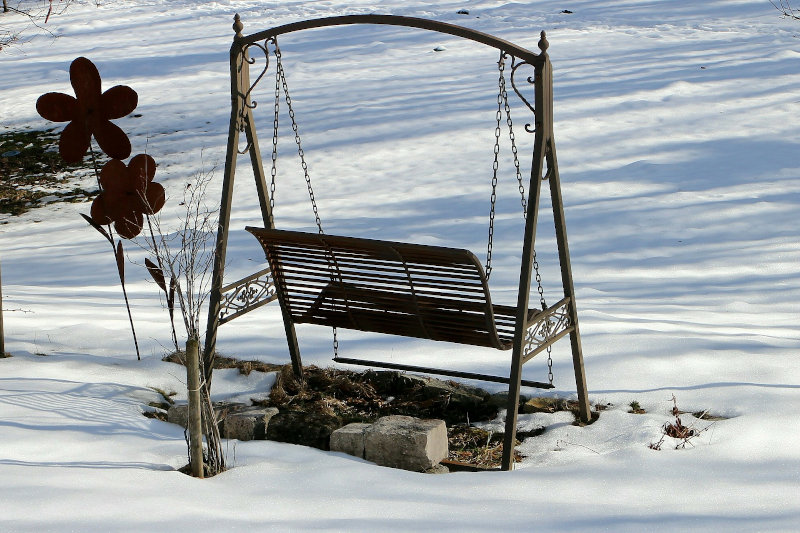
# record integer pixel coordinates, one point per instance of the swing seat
(413, 290)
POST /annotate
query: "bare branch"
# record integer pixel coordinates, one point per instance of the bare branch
(786, 9)
(36, 15)
(186, 255)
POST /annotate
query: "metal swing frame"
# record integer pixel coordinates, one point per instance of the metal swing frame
(533, 331)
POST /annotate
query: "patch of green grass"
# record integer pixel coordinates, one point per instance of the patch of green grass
(31, 170)
(636, 408)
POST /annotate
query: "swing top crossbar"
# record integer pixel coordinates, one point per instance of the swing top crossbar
(395, 20)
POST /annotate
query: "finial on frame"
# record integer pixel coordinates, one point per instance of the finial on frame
(237, 25)
(543, 44)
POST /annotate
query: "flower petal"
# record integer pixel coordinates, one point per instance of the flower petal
(156, 197)
(85, 81)
(129, 226)
(74, 141)
(114, 177)
(58, 107)
(98, 211)
(144, 167)
(112, 139)
(118, 101)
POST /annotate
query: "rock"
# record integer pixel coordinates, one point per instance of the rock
(463, 401)
(438, 469)
(544, 405)
(500, 399)
(350, 439)
(309, 429)
(406, 442)
(177, 414)
(248, 424)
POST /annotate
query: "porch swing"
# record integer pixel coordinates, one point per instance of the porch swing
(411, 290)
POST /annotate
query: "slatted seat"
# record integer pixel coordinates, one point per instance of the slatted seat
(413, 290)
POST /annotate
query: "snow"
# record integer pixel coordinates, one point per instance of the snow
(677, 150)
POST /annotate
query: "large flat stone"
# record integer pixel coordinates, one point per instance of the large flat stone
(350, 439)
(406, 442)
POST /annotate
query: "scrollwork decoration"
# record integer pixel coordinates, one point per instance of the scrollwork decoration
(246, 295)
(545, 329)
(247, 103)
(530, 80)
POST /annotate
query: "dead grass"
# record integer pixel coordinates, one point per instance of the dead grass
(366, 396)
(677, 430)
(477, 447)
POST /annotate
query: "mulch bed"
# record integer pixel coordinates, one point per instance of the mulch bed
(366, 396)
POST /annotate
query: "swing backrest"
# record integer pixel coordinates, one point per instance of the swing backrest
(413, 290)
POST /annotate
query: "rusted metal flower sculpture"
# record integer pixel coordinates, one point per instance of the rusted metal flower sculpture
(128, 194)
(89, 113)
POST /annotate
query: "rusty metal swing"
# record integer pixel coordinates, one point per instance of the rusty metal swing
(428, 292)
(412, 290)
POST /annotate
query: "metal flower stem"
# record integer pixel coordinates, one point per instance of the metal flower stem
(116, 259)
(128, 307)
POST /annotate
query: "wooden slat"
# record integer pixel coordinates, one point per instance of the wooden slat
(386, 287)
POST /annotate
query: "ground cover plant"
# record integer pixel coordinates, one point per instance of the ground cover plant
(32, 174)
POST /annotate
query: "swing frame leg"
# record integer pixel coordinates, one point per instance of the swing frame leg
(544, 151)
(241, 120)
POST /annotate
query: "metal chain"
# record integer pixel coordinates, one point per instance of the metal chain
(495, 164)
(502, 100)
(514, 151)
(543, 303)
(281, 75)
(297, 141)
(336, 344)
(274, 169)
